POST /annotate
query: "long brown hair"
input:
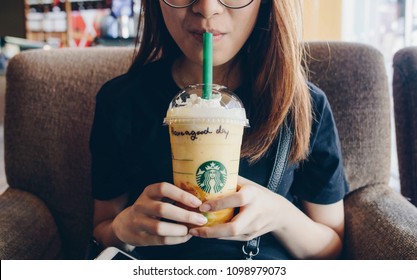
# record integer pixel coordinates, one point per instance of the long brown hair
(277, 81)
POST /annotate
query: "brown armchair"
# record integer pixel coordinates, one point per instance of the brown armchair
(380, 223)
(50, 95)
(405, 108)
(47, 211)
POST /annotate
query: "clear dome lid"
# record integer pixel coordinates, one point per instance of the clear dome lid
(188, 105)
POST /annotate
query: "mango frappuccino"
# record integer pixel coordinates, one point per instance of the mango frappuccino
(206, 136)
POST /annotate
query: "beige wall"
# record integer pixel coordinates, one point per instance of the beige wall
(322, 20)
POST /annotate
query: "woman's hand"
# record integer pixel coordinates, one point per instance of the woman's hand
(151, 220)
(315, 233)
(257, 215)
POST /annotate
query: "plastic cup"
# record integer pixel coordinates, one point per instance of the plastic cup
(206, 138)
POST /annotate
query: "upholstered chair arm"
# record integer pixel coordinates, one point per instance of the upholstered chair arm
(380, 224)
(27, 228)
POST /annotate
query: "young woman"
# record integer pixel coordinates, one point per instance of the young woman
(257, 54)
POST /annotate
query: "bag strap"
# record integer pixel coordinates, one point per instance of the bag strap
(251, 248)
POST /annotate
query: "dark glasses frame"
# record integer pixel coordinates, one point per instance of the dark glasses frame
(193, 1)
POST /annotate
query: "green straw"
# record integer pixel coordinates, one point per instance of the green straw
(207, 64)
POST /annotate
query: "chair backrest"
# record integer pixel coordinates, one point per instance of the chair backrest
(405, 108)
(50, 105)
(50, 99)
(354, 78)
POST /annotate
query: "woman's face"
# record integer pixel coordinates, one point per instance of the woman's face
(230, 27)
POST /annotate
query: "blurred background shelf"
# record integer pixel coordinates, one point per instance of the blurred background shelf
(75, 23)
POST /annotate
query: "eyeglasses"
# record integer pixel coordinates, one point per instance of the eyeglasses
(232, 4)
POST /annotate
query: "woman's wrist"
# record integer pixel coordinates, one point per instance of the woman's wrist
(105, 234)
(281, 215)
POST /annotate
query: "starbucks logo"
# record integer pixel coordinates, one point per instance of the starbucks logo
(211, 176)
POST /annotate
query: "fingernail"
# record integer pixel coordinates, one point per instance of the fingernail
(205, 208)
(196, 202)
(201, 220)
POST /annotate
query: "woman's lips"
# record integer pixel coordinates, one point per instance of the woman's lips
(199, 36)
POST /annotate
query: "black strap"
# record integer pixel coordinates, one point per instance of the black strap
(281, 158)
(251, 248)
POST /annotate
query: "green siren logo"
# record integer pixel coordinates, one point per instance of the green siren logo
(211, 176)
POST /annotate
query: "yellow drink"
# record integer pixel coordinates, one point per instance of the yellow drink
(206, 137)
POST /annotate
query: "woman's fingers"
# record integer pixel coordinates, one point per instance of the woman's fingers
(171, 240)
(162, 228)
(236, 230)
(239, 199)
(249, 223)
(150, 231)
(158, 204)
(237, 227)
(219, 231)
(166, 190)
(146, 239)
(169, 211)
(154, 220)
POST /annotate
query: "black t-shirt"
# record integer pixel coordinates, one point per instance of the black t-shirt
(130, 150)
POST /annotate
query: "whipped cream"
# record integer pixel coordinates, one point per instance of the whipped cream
(222, 109)
(196, 101)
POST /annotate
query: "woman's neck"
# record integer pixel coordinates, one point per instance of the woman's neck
(185, 73)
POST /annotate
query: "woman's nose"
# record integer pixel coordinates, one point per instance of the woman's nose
(208, 8)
